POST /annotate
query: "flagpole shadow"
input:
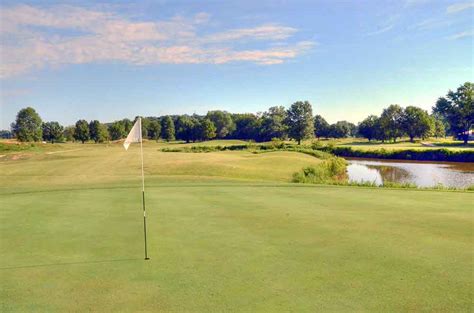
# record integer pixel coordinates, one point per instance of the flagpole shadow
(69, 263)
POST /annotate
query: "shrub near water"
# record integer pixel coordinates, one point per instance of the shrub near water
(328, 171)
(405, 154)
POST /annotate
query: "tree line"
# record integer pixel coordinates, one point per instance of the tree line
(451, 115)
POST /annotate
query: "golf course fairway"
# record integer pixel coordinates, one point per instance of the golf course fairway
(227, 232)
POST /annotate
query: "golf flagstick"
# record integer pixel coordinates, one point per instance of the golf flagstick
(135, 135)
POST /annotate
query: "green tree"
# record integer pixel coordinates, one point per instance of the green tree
(321, 127)
(341, 129)
(247, 126)
(417, 123)
(391, 122)
(154, 130)
(300, 121)
(368, 127)
(117, 130)
(94, 130)
(207, 129)
(185, 128)
(223, 122)
(439, 127)
(28, 125)
(81, 132)
(103, 133)
(458, 109)
(273, 124)
(52, 131)
(69, 133)
(167, 128)
(127, 125)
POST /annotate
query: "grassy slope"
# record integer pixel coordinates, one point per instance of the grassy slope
(220, 244)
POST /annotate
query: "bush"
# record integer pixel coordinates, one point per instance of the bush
(328, 171)
(407, 154)
(277, 143)
(316, 145)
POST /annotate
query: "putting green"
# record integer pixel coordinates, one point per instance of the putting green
(72, 239)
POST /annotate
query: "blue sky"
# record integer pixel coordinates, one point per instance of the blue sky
(106, 61)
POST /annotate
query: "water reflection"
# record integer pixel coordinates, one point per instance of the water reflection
(423, 174)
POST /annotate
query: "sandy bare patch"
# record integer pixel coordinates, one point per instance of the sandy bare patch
(427, 144)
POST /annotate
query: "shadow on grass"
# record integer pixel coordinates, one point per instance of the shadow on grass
(69, 263)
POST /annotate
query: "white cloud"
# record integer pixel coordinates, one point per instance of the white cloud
(381, 30)
(34, 38)
(431, 23)
(458, 7)
(461, 35)
(264, 32)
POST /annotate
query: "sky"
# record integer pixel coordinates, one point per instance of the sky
(90, 60)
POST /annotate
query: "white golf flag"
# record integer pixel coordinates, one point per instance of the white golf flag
(135, 134)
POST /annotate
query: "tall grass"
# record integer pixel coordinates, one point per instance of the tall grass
(404, 154)
(328, 171)
(317, 149)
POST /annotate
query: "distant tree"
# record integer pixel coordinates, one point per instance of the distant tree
(321, 127)
(127, 125)
(247, 126)
(81, 132)
(443, 120)
(103, 133)
(458, 109)
(300, 121)
(197, 130)
(368, 127)
(154, 130)
(273, 124)
(185, 128)
(341, 129)
(222, 121)
(167, 129)
(94, 130)
(117, 130)
(69, 133)
(354, 130)
(391, 122)
(439, 127)
(52, 132)
(6, 134)
(207, 129)
(28, 125)
(417, 122)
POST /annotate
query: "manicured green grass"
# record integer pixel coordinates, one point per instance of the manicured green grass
(226, 233)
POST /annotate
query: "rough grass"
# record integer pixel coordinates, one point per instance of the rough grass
(235, 239)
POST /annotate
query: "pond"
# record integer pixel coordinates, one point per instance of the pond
(422, 174)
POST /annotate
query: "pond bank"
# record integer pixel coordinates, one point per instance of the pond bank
(435, 155)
